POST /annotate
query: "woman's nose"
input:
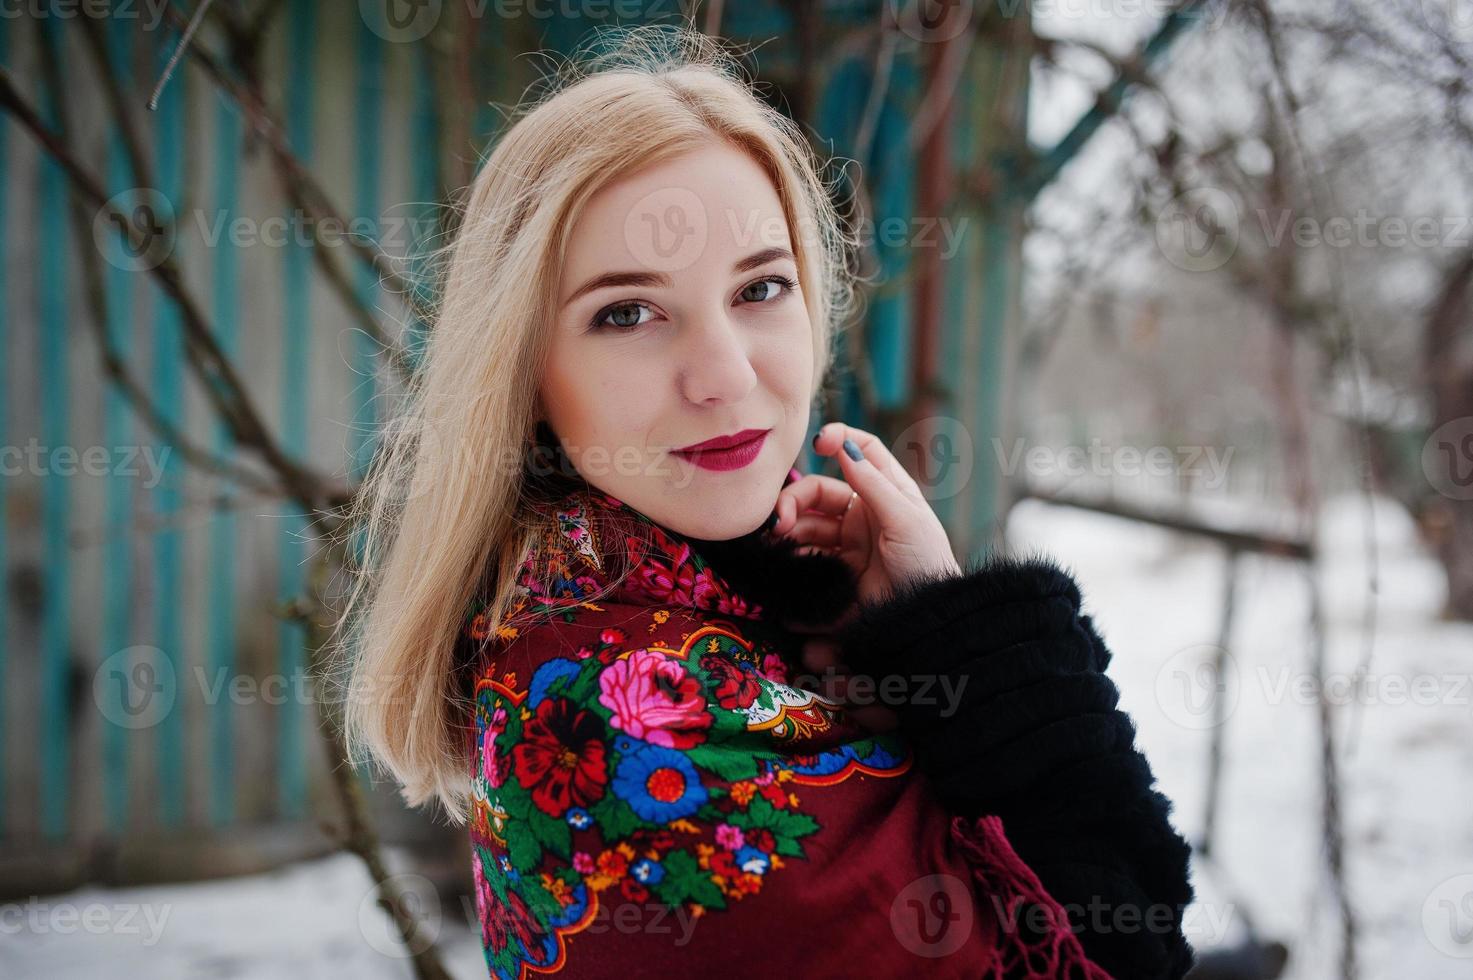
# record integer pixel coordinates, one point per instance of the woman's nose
(716, 364)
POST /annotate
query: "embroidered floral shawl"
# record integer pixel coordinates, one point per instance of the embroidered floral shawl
(652, 797)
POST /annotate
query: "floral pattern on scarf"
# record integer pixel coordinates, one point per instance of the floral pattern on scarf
(648, 763)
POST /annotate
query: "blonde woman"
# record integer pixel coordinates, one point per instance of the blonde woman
(592, 579)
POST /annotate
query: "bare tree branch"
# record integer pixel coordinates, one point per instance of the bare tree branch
(218, 377)
(309, 196)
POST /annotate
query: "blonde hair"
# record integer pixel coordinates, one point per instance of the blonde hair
(444, 515)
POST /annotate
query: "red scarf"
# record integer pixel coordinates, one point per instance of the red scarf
(652, 797)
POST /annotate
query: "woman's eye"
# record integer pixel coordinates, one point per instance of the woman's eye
(628, 315)
(767, 294)
(621, 316)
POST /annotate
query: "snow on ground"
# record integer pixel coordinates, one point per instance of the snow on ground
(306, 921)
(1406, 754)
(1156, 598)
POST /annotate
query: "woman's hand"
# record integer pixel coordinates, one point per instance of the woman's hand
(888, 533)
(877, 520)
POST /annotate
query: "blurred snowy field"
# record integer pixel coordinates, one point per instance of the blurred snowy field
(1407, 759)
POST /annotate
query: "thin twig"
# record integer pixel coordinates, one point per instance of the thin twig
(193, 25)
(358, 836)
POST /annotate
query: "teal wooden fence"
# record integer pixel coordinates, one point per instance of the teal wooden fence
(184, 564)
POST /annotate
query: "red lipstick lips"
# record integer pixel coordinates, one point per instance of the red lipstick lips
(726, 452)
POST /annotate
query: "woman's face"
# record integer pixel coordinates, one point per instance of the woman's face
(675, 326)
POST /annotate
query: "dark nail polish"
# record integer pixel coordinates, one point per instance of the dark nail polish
(815, 439)
(853, 450)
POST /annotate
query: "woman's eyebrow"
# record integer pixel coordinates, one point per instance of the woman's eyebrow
(610, 279)
(619, 279)
(762, 258)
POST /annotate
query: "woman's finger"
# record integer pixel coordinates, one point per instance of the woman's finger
(813, 491)
(892, 507)
(830, 439)
(816, 529)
